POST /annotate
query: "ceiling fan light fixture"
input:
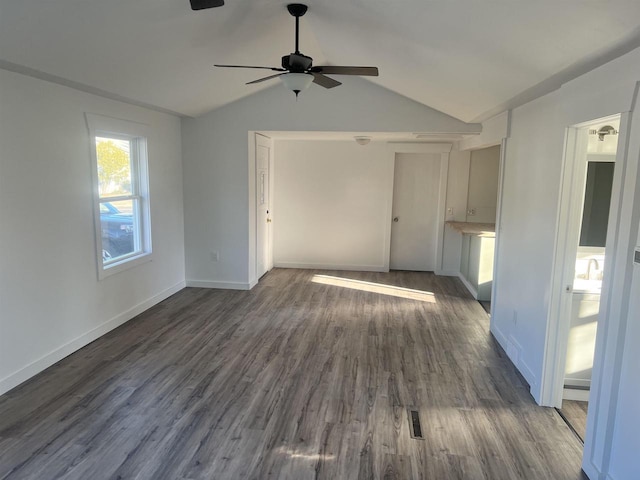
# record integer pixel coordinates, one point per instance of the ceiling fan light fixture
(297, 82)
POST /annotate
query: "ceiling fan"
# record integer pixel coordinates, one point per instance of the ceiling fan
(297, 71)
(202, 4)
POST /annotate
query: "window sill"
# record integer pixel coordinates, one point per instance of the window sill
(125, 264)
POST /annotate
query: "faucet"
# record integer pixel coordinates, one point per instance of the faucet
(592, 262)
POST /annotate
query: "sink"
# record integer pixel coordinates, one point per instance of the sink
(581, 285)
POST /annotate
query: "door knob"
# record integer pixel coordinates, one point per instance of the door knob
(395, 219)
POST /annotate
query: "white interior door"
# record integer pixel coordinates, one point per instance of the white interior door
(414, 228)
(263, 207)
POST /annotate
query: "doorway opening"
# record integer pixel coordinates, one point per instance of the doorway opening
(482, 201)
(583, 251)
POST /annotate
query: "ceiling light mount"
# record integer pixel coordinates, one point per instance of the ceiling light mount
(362, 140)
(297, 9)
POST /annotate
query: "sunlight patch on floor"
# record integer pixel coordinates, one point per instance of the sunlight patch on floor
(306, 456)
(380, 288)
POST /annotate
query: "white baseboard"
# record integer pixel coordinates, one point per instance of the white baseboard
(531, 379)
(222, 285)
(330, 266)
(593, 472)
(467, 284)
(520, 365)
(500, 337)
(575, 394)
(25, 373)
(447, 273)
(577, 383)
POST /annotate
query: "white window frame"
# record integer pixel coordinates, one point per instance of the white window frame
(137, 134)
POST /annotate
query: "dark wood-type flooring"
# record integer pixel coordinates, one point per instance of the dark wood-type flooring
(296, 379)
(575, 413)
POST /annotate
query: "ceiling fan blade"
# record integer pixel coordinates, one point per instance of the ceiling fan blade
(334, 70)
(275, 69)
(264, 79)
(202, 4)
(325, 82)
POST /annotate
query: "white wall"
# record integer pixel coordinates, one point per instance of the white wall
(483, 185)
(51, 301)
(332, 203)
(219, 213)
(534, 155)
(530, 201)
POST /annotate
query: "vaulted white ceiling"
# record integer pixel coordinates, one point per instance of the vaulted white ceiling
(467, 58)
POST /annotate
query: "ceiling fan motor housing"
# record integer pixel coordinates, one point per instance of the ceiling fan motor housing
(297, 9)
(296, 63)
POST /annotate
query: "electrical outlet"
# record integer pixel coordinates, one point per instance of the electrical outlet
(471, 212)
(214, 256)
(449, 211)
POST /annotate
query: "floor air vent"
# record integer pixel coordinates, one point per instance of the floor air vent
(414, 425)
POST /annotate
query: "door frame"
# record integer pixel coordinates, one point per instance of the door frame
(498, 227)
(262, 140)
(252, 267)
(561, 293)
(444, 149)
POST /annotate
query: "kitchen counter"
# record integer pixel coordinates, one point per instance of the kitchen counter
(470, 228)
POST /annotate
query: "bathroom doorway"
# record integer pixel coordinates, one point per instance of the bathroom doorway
(590, 185)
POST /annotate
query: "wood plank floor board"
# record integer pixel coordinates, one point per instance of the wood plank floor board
(575, 413)
(294, 379)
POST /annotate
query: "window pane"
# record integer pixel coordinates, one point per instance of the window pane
(114, 166)
(120, 229)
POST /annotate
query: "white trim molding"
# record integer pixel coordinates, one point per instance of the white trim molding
(615, 301)
(332, 266)
(570, 207)
(137, 135)
(221, 285)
